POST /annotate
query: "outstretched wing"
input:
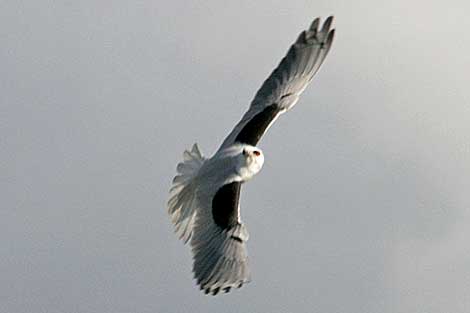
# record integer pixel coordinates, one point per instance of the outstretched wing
(285, 84)
(218, 243)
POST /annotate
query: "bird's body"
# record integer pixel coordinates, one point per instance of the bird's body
(204, 198)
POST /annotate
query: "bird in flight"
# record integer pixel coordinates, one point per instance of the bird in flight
(204, 197)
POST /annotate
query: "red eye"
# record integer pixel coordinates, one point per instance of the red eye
(257, 153)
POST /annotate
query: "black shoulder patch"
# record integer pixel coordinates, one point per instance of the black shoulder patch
(225, 205)
(251, 133)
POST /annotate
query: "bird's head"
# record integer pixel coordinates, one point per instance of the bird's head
(250, 161)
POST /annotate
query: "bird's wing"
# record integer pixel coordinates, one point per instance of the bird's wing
(285, 84)
(218, 243)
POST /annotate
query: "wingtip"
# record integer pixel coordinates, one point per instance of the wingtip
(331, 36)
(302, 38)
(315, 24)
(327, 24)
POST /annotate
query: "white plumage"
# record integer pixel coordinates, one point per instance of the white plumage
(204, 198)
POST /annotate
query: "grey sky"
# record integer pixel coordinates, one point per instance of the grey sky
(362, 204)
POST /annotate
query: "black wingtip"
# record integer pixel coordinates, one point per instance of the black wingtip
(302, 37)
(326, 26)
(330, 38)
(314, 25)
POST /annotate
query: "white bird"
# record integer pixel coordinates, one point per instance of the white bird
(204, 197)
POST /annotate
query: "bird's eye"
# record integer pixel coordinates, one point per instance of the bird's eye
(257, 153)
(244, 152)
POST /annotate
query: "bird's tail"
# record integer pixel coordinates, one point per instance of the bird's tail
(182, 204)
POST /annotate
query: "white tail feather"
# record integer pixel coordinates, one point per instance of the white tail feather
(182, 204)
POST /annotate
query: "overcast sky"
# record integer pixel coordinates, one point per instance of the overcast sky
(363, 204)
